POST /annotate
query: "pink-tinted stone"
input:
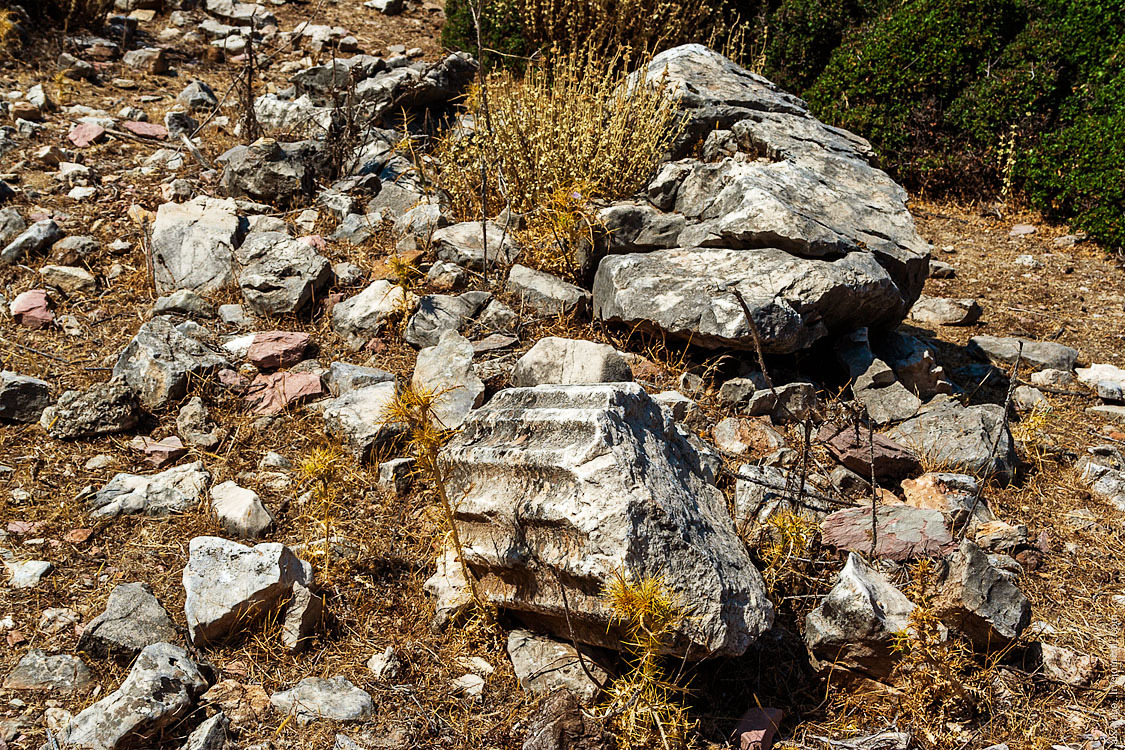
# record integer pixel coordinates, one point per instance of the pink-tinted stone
(85, 134)
(903, 532)
(233, 380)
(855, 449)
(271, 394)
(315, 241)
(273, 349)
(146, 129)
(32, 309)
(159, 453)
(757, 727)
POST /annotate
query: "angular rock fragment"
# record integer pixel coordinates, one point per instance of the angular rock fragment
(605, 466)
(273, 172)
(316, 698)
(570, 361)
(462, 244)
(940, 311)
(545, 294)
(61, 673)
(904, 533)
(359, 417)
(1040, 355)
(977, 599)
(446, 370)
(543, 665)
(104, 409)
(160, 361)
(193, 245)
(436, 313)
(366, 314)
(960, 438)
(273, 349)
(867, 453)
(133, 619)
(240, 511)
(22, 397)
(279, 275)
(274, 393)
(175, 490)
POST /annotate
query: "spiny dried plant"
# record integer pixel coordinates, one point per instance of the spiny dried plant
(645, 705)
(320, 469)
(787, 541)
(573, 130)
(414, 408)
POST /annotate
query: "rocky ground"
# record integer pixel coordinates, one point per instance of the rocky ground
(215, 537)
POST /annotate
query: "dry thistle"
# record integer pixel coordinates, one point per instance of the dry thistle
(645, 706)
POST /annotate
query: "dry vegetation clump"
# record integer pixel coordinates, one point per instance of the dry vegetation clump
(574, 129)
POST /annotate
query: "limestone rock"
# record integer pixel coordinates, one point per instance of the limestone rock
(159, 690)
(240, 511)
(61, 673)
(462, 243)
(960, 438)
(605, 466)
(436, 313)
(1040, 355)
(104, 409)
(279, 275)
(543, 665)
(175, 490)
(366, 314)
(939, 311)
(979, 600)
(359, 417)
(855, 626)
(132, 620)
(193, 245)
(545, 294)
(447, 369)
(273, 172)
(324, 698)
(230, 586)
(22, 398)
(562, 361)
(160, 361)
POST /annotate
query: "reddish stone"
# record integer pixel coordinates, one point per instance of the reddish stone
(315, 241)
(645, 369)
(232, 379)
(85, 134)
(16, 637)
(273, 349)
(146, 129)
(32, 309)
(853, 448)
(23, 528)
(78, 536)
(757, 727)
(271, 394)
(159, 453)
(904, 532)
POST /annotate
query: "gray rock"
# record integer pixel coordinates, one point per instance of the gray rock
(132, 620)
(235, 315)
(35, 239)
(437, 313)
(61, 673)
(794, 301)
(180, 124)
(75, 248)
(194, 425)
(543, 664)
(736, 392)
(11, 224)
(240, 511)
(497, 316)
(447, 276)
(277, 173)
(960, 438)
(241, 14)
(1104, 473)
(683, 409)
(762, 492)
(1025, 398)
(447, 369)
(22, 397)
(939, 311)
(193, 245)
(545, 294)
(359, 318)
(159, 690)
(396, 475)
(632, 227)
(347, 273)
(941, 270)
(174, 490)
(231, 587)
(570, 361)
(422, 221)
(279, 275)
(184, 302)
(358, 417)
(889, 404)
(856, 624)
(355, 228)
(1040, 355)
(785, 403)
(461, 244)
(914, 365)
(302, 615)
(103, 409)
(198, 96)
(27, 574)
(343, 377)
(70, 280)
(211, 734)
(977, 599)
(605, 463)
(316, 698)
(160, 361)
(418, 85)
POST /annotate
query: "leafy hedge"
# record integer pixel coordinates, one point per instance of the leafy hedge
(969, 97)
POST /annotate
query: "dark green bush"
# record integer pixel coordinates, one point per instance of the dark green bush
(501, 29)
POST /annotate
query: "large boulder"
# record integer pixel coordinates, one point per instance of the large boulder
(790, 211)
(193, 245)
(572, 485)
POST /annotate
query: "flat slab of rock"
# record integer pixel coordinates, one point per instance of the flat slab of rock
(447, 370)
(860, 451)
(275, 392)
(605, 466)
(159, 690)
(960, 438)
(133, 619)
(173, 491)
(231, 586)
(545, 294)
(193, 244)
(939, 311)
(904, 533)
(61, 673)
(1040, 355)
(856, 624)
(273, 349)
(570, 361)
(324, 698)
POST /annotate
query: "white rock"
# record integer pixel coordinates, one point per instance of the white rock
(240, 510)
(447, 370)
(570, 361)
(175, 490)
(365, 315)
(319, 698)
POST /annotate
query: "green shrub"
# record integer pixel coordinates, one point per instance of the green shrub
(501, 29)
